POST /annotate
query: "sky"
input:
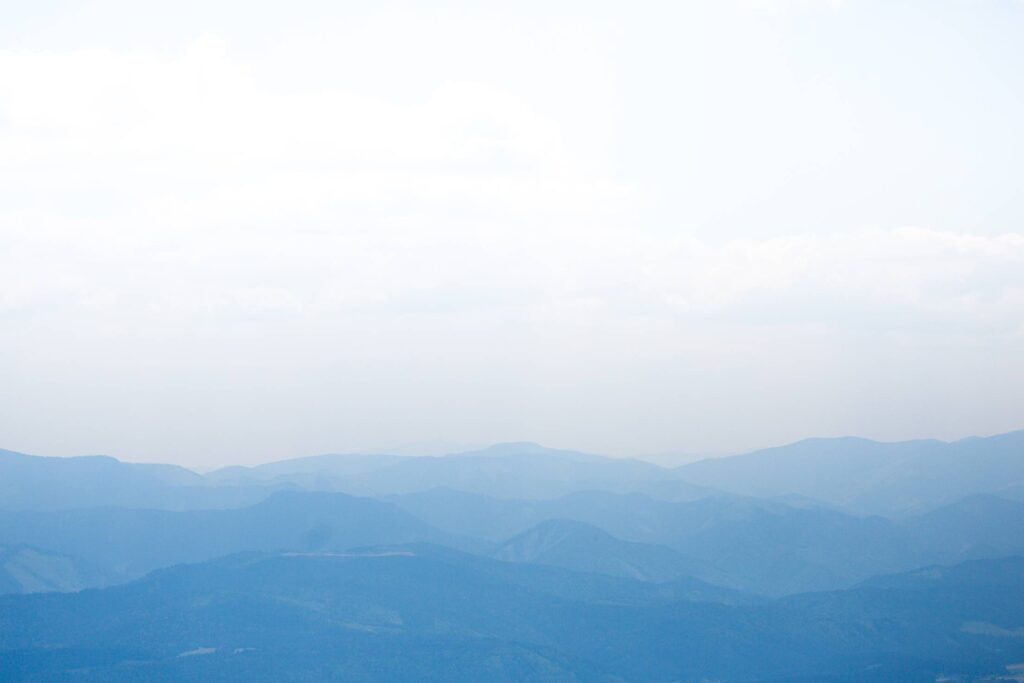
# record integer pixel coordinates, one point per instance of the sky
(233, 232)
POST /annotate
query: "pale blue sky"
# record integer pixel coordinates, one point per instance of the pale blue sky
(231, 232)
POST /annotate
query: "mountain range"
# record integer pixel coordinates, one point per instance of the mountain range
(855, 475)
(823, 560)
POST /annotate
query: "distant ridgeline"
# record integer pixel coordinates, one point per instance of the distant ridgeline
(824, 560)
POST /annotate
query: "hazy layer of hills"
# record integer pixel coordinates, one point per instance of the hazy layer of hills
(514, 470)
(857, 475)
(828, 559)
(872, 477)
(411, 614)
(35, 483)
(126, 544)
(750, 544)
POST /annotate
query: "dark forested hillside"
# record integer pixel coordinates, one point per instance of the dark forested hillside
(410, 613)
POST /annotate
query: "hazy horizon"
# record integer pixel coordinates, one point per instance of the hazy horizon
(234, 233)
(668, 459)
